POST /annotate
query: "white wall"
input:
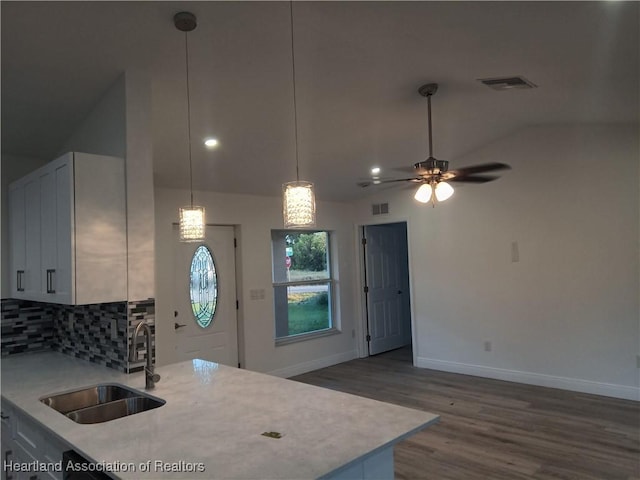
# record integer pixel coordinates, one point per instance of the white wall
(13, 168)
(120, 125)
(566, 314)
(256, 217)
(103, 131)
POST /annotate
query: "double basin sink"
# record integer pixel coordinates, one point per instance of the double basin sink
(101, 403)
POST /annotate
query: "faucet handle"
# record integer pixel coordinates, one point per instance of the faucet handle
(155, 377)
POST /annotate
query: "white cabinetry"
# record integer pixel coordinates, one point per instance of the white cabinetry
(68, 231)
(23, 442)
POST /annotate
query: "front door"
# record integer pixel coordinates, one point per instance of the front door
(197, 334)
(387, 287)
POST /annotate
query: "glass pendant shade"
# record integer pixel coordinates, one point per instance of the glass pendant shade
(192, 224)
(443, 191)
(299, 205)
(423, 194)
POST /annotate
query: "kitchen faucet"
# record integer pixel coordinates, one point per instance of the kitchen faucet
(150, 377)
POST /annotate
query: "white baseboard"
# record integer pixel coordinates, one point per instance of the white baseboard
(304, 367)
(573, 384)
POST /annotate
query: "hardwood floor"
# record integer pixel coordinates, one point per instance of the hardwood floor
(490, 429)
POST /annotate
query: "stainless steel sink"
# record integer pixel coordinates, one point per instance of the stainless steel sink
(101, 403)
(116, 409)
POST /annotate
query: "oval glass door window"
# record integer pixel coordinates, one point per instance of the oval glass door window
(203, 287)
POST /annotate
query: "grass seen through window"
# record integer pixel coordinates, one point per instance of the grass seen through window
(308, 311)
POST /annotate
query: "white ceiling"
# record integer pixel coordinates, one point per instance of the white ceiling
(359, 65)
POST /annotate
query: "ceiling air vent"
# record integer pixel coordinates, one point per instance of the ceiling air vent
(507, 83)
(380, 208)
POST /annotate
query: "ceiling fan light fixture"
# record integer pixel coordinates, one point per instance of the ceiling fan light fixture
(299, 206)
(423, 194)
(443, 191)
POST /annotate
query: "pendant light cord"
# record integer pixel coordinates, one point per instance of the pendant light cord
(186, 43)
(295, 105)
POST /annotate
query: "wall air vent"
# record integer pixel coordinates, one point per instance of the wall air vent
(380, 209)
(507, 83)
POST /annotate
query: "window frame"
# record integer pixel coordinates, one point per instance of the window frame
(329, 282)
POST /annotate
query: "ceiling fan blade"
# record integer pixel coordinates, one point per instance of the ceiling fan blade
(485, 167)
(395, 180)
(404, 169)
(473, 178)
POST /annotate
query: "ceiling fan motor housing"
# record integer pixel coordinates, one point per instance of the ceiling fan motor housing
(432, 166)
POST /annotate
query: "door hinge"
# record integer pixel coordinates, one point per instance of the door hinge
(368, 338)
(366, 289)
(237, 305)
(235, 243)
(364, 241)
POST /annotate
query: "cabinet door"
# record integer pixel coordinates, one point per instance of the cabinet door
(55, 240)
(65, 266)
(17, 227)
(8, 447)
(47, 232)
(32, 287)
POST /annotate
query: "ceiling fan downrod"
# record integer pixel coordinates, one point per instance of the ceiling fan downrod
(427, 91)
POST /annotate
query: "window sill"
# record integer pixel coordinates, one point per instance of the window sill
(306, 336)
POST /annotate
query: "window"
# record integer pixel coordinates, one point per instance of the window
(203, 286)
(302, 283)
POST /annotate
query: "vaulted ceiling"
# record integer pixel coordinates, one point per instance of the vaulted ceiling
(358, 67)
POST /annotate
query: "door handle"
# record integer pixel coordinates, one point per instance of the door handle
(50, 288)
(19, 275)
(399, 292)
(178, 325)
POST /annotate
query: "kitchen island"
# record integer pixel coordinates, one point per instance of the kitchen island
(213, 421)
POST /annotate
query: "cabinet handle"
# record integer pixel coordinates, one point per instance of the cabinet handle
(19, 275)
(4, 417)
(6, 462)
(50, 273)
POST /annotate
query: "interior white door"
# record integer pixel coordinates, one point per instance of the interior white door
(217, 342)
(387, 286)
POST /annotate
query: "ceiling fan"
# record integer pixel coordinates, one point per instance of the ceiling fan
(432, 174)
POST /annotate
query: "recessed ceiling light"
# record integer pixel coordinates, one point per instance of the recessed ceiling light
(375, 170)
(211, 142)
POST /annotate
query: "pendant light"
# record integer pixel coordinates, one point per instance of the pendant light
(192, 217)
(299, 202)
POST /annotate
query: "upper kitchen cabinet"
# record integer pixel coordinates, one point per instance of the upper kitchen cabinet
(68, 231)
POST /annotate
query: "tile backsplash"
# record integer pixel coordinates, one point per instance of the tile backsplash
(26, 326)
(99, 333)
(85, 331)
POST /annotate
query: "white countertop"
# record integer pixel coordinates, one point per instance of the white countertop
(214, 415)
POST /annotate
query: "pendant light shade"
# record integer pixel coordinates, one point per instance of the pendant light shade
(299, 200)
(299, 205)
(192, 222)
